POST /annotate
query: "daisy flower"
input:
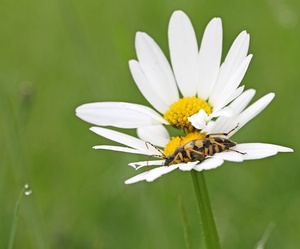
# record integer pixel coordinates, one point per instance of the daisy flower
(196, 80)
(240, 116)
(210, 101)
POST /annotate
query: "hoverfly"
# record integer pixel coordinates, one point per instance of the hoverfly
(199, 149)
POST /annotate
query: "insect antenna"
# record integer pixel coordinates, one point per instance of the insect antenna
(222, 133)
(242, 153)
(232, 130)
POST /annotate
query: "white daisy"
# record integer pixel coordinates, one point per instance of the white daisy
(204, 83)
(206, 87)
(239, 116)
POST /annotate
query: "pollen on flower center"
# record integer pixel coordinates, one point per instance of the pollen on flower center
(181, 110)
(179, 141)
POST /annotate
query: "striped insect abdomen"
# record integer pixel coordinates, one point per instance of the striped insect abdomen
(216, 144)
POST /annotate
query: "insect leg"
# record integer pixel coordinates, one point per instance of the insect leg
(188, 152)
(179, 154)
(162, 155)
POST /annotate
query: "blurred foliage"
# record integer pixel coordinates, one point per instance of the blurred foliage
(56, 55)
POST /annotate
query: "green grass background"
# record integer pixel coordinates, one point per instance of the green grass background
(56, 55)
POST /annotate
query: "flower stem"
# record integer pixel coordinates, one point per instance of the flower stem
(210, 233)
(25, 191)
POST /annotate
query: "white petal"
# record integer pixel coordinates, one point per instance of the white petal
(222, 96)
(239, 104)
(157, 172)
(230, 156)
(119, 114)
(119, 148)
(183, 52)
(151, 175)
(238, 51)
(237, 92)
(235, 57)
(187, 166)
(225, 124)
(226, 111)
(156, 68)
(155, 134)
(209, 58)
(209, 127)
(260, 150)
(125, 139)
(252, 111)
(199, 119)
(138, 165)
(148, 90)
(209, 163)
(137, 178)
(203, 122)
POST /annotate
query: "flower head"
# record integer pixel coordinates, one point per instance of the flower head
(195, 81)
(212, 102)
(238, 153)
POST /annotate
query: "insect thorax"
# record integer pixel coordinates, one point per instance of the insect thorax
(175, 157)
(187, 153)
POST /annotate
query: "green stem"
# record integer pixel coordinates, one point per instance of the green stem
(210, 233)
(25, 191)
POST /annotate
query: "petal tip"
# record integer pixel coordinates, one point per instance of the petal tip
(139, 35)
(128, 182)
(216, 20)
(178, 12)
(286, 149)
(93, 128)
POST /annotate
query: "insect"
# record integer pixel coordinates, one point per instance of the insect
(199, 149)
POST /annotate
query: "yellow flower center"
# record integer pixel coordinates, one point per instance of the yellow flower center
(181, 110)
(176, 142)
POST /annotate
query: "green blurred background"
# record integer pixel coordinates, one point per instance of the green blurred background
(56, 55)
